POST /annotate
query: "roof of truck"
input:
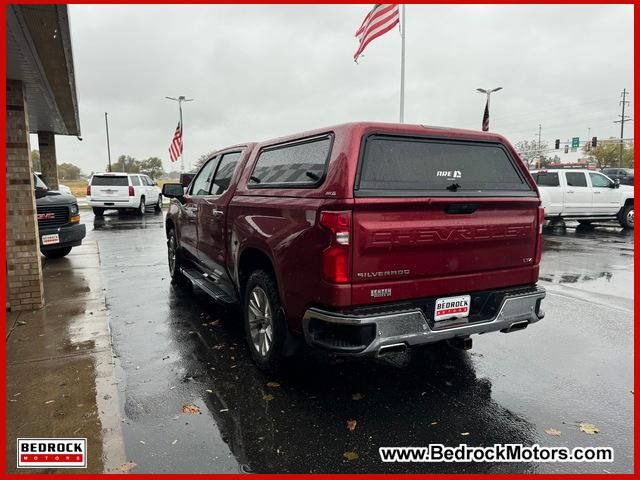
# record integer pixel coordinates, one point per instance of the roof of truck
(399, 128)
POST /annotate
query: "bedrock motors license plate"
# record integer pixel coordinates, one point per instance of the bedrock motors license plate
(450, 307)
(51, 239)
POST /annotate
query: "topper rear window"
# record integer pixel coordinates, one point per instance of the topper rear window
(403, 166)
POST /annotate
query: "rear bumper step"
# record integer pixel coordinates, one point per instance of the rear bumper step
(373, 333)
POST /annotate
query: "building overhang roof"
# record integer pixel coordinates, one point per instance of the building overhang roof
(39, 54)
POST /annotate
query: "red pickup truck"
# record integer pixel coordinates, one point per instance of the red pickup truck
(363, 238)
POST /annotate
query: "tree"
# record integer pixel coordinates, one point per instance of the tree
(532, 152)
(607, 153)
(152, 166)
(125, 163)
(35, 160)
(200, 162)
(68, 171)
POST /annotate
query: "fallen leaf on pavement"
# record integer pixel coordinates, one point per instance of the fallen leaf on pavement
(209, 391)
(174, 442)
(350, 456)
(464, 434)
(357, 396)
(273, 384)
(49, 401)
(125, 467)
(268, 397)
(589, 428)
(189, 408)
(552, 431)
(351, 425)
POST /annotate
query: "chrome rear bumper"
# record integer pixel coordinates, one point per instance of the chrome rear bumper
(411, 326)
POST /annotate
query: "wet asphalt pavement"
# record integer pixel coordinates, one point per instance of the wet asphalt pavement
(174, 346)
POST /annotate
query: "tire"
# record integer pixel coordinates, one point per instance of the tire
(626, 217)
(158, 206)
(57, 253)
(142, 208)
(264, 322)
(174, 258)
(98, 212)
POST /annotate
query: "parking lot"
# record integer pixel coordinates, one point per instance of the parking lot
(174, 346)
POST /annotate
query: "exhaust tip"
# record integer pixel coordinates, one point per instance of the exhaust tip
(514, 327)
(390, 349)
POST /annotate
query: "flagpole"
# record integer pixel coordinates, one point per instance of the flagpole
(181, 138)
(402, 34)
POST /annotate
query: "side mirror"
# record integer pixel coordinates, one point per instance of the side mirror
(616, 183)
(173, 190)
(41, 192)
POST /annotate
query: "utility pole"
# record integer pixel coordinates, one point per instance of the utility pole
(106, 123)
(402, 34)
(540, 138)
(181, 99)
(623, 118)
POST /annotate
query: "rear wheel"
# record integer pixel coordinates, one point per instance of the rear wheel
(98, 212)
(626, 217)
(158, 206)
(265, 326)
(57, 253)
(142, 208)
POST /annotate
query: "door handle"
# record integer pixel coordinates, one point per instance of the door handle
(217, 212)
(596, 193)
(570, 191)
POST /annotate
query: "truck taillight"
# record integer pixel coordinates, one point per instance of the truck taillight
(336, 258)
(539, 240)
(132, 193)
(88, 190)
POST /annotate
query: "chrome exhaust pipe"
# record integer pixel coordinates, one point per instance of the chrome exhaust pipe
(393, 348)
(514, 327)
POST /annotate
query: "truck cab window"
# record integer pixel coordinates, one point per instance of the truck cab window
(225, 172)
(201, 183)
(576, 179)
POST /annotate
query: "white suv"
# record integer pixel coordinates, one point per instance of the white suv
(116, 190)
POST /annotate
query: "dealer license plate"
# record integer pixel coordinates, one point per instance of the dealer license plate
(452, 307)
(50, 239)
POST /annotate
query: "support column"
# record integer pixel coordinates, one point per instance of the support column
(48, 162)
(24, 270)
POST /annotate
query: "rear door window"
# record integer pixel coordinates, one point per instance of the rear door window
(400, 166)
(300, 164)
(576, 179)
(109, 181)
(135, 180)
(546, 179)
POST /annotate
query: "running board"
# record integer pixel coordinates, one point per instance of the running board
(209, 286)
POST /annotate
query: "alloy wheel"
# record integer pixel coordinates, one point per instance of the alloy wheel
(260, 321)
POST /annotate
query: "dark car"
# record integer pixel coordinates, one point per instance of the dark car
(58, 221)
(623, 175)
(363, 239)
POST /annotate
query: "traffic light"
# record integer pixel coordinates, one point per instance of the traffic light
(557, 144)
(566, 149)
(594, 142)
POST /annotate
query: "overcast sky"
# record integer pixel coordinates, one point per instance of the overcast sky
(258, 72)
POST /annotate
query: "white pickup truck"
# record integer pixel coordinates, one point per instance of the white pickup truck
(583, 195)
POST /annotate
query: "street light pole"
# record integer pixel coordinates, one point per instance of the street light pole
(106, 123)
(488, 92)
(181, 99)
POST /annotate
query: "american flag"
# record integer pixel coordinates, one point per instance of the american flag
(379, 21)
(175, 149)
(485, 118)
